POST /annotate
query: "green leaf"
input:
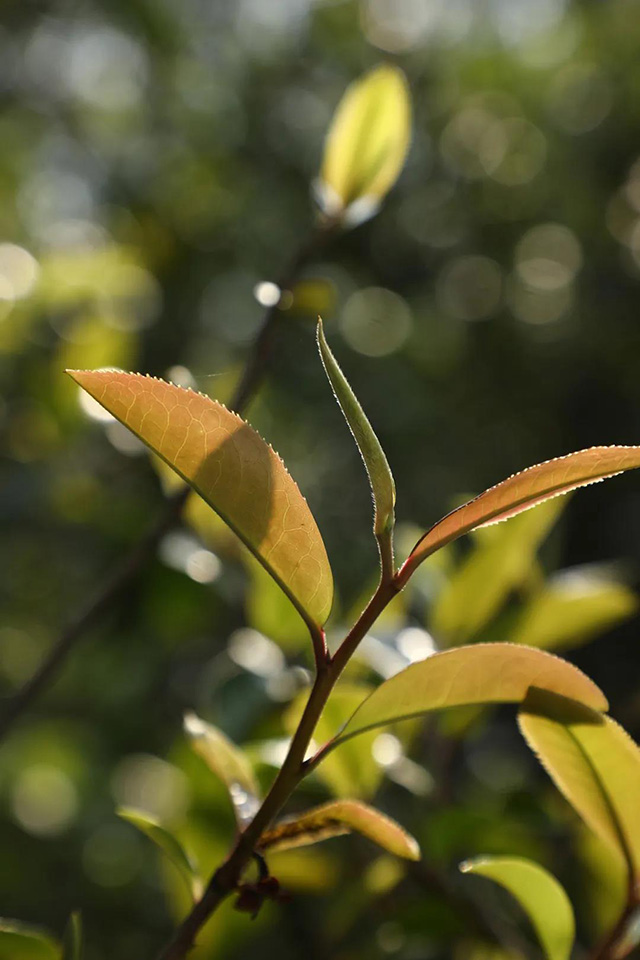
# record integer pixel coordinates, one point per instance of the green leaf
(234, 470)
(495, 566)
(367, 141)
(170, 846)
(593, 762)
(337, 818)
(483, 673)
(521, 492)
(352, 770)
(382, 486)
(538, 893)
(228, 763)
(571, 608)
(20, 941)
(72, 945)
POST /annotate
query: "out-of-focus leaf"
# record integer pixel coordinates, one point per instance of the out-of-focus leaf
(573, 607)
(351, 770)
(539, 894)
(269, 610)
(593, 762)
(170, 846)
(478, 950)
(72, 945)
(523, 491)
(20, 941)
(367, 142)
(483, 673)
(382, 486)
(228, 762)
(604, 882)
(234, 470)
(336, 818)
(493, 568)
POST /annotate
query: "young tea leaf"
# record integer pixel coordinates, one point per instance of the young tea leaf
(539, 894)
(234, 470)
(593, 762)
(521, 492)
(228, 763)
(482, 673)
(333, 820)
(22, 940)
(170, 846)
(367, 142)
(382, 486)
(72, 944)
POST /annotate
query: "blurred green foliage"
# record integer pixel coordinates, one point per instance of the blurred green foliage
(156, 172)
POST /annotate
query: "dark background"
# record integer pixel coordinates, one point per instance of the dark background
(156, 165)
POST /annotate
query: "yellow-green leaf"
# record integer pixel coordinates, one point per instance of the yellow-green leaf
(367, 141)
(571, 608)
(234, 470)
(382, 486)
(228, 763)
(170, 846)
(72, 945)
(593, 762)
(483, 673)
(21, 940)
(523, 491)
(336, 818)
(495, 565)
(539, 894)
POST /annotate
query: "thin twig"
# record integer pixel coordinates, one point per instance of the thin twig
(144, 550)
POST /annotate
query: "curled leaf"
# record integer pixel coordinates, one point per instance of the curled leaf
(367, 143)
(379, 472)
(170, 846)
(234, 470)
(337, 818)
(539, 894)
(482, 673)
(523, 491)
(228, 763)
(593, 762)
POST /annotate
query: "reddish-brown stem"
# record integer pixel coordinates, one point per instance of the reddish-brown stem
(140, 555)
(293, 770)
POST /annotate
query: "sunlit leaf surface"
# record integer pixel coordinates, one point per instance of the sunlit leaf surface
(595, 764)
(368, 140)
(525, 490)
(227, 762)
(483, 673)
(165, 841)
(336, 818)
(234, 470)
(539, 894)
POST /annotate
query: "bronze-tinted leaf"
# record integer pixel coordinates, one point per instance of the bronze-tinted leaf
(333, 820)
(234, 470)
(523, 491)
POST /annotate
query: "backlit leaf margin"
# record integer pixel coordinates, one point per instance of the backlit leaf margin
(378, 470)
(539, 894)
(227, 762)
(366, 144)
(482, 673)
(336, 818)
(593, 762)
(234, 470)
(521, 492)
